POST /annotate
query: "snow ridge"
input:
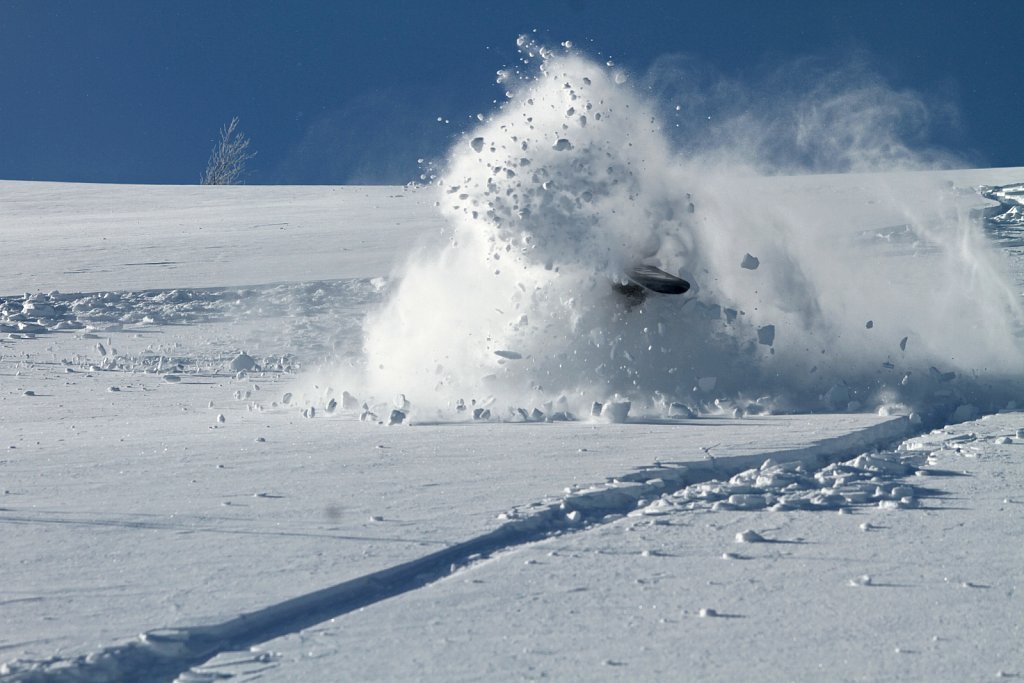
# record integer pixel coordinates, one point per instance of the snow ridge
(163, 654)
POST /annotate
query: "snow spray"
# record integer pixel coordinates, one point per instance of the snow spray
(550, 201)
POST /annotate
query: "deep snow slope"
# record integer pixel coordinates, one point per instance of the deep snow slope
(158, 480)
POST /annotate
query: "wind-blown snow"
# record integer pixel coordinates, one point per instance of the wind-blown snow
(572, 181)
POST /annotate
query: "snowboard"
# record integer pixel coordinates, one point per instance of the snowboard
(643, 279)
(657, 280)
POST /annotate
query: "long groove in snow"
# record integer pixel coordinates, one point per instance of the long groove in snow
(163, 654)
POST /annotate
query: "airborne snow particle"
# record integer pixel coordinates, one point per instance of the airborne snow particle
(869, 324)
(750, 262)
(511, 355)
(221, 419)
(707, 612)
(562, 145)
(477, 144)
(766, 335)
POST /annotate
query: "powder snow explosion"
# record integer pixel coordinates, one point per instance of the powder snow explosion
(801, 302)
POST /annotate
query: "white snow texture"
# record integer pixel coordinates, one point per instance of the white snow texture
(572, 181)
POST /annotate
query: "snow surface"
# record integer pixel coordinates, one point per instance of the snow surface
(88, 238)
(780, 475)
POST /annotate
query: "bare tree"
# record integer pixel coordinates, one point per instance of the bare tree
(228, 158)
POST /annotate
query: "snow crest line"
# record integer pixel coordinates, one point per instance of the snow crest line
(163, 654)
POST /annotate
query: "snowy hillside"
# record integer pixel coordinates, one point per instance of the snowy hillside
(319, 434)
(155, 477)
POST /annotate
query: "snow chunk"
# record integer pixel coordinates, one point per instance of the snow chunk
(615, 411)
(682, 410)
(766, 335)
(749, 536)
(750, 262)
(243, 362)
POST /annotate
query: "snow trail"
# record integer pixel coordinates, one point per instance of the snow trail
(168, 654)
(798, 304)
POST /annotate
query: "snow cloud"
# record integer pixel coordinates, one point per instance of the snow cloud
(871, 288)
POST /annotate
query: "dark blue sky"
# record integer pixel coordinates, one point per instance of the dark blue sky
(336, 91)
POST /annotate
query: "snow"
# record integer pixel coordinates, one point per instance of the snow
(342, 434)
(543, 216)
(931, 593)
(104, 238)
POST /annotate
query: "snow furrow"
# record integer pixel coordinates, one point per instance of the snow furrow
(163, 654)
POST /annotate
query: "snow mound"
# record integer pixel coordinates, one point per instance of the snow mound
(572, 182)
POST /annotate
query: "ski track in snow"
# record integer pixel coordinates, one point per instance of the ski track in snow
(814, 478)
